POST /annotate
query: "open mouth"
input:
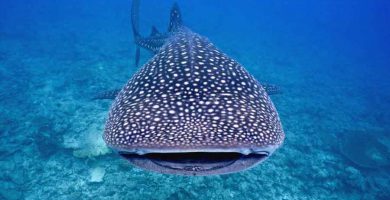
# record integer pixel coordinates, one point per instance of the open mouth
(195, 163)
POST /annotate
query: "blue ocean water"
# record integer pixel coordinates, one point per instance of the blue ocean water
(331, 59)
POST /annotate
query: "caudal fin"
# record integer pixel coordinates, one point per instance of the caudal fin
(135, 26)
(135, 17)
(152, 42)
(175, 21)
(137, 55)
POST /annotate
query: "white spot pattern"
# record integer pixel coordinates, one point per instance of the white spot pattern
(191, 95)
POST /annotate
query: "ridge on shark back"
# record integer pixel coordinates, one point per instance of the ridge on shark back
(153, 43)
(271, 89)
(191, 109)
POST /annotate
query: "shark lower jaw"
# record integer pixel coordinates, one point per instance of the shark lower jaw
(196, 163)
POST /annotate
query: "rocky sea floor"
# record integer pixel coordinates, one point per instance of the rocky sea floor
(51, 143)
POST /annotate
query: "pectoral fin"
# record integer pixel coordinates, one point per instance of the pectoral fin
(109, 94)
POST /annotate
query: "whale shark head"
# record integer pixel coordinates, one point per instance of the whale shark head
(192, 110)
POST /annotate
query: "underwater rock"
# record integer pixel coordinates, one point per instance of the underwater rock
(90, 152)
(92, 148)
(365, 149)
(97, 174)
(88, 146)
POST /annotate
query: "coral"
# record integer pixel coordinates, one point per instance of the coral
(89, 145)
(92, 148)
(97, 174)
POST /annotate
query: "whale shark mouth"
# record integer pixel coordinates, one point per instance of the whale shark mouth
(195, 163)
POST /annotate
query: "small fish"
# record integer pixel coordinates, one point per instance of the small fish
(192, 110)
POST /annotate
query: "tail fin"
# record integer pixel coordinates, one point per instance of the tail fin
(174, 24)
(135, 26)
(137, 56)
(175, 21)
(135, 17)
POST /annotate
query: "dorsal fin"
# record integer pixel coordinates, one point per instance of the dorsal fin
(154, 31)
(175, 20)
(135, 26)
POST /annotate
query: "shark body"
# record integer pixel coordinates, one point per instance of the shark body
(192, 110)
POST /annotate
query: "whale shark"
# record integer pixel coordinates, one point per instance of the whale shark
(191, 109)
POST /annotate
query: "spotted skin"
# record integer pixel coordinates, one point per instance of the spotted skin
(189, 97)
(111, 94)
(151, 43)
